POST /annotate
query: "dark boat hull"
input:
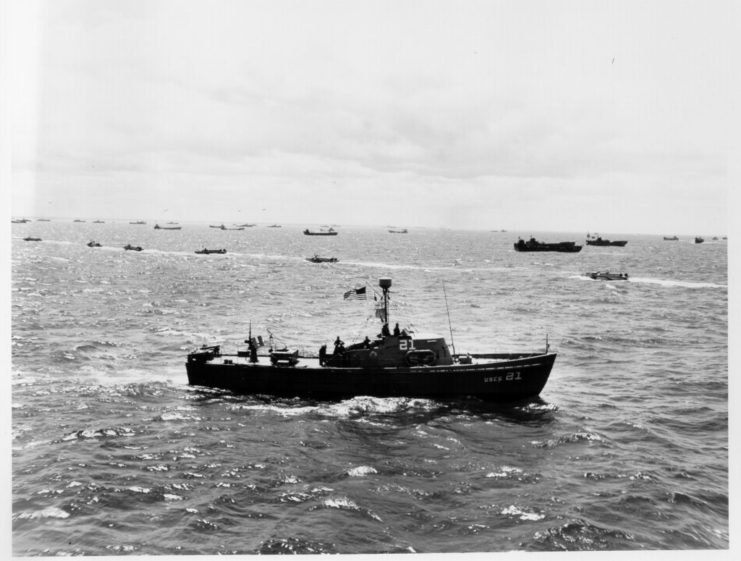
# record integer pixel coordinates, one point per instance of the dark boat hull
(513, 378)
(563, 248)
(607, 276)
(603, 243)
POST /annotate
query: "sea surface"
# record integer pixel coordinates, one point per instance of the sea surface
(114, 453)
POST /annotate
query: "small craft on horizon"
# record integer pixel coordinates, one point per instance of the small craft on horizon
(205, 251)
(534, 245)
(607, 275)
(330, 232)
(317, 259)
(597, 240)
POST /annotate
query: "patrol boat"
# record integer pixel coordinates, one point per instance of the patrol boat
(397, 364)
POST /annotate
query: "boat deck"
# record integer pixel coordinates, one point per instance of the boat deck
(313, 361)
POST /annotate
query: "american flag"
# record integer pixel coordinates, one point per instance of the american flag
(355, 294)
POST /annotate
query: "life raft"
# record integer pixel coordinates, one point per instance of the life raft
(423, 357)
(284, 358)
(205, 353)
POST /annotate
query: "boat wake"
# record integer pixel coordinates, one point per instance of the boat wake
(454, 266)
(680, 284)
(360, 406)
(660, 282)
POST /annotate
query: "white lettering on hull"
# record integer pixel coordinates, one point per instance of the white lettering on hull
(511, 377)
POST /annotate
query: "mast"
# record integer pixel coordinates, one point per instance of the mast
(385, 284)
(450, 325)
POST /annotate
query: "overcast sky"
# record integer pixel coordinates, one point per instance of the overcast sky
(591, 115)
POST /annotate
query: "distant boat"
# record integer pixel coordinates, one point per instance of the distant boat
(205, 251)
(129, 247)
(20, 221)
(596, 240)
(607, 275)
(275, 226)
(245, 225)
(698, 239)
(98, 222)
(138, 222)
(43, 220)
(93, 244)
(401, 231)
(534, 245)
(78, 220)
(671, 238)
(317, 259)
(30, 239)
(222, 227)
(330, 232)
(158, 227)
(715, 237)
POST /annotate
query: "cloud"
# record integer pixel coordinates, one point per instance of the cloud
(502, 96)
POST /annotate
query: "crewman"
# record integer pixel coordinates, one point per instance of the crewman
(397, 332)
(339, 346)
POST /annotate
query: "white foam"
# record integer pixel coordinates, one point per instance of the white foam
(505, 471)
(49, 512)
(361, 471)
(521, 514)
(342, 503)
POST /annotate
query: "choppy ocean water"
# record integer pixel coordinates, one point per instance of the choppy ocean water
(113, 453)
